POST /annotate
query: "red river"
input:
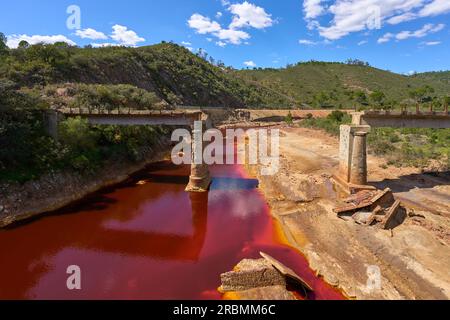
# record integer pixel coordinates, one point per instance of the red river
(148, 239)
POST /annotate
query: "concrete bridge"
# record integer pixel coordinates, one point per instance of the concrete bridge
(199, 180)
(352, 173)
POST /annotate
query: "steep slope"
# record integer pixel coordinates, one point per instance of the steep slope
(171, 71)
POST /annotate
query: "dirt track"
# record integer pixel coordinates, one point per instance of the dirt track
(414, 259)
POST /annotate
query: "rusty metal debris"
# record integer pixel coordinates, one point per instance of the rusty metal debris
(369, 207)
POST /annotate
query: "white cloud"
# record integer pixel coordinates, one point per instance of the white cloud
(363, 42)
(187, 45)
(232, 36)
(307, 42)
(219, 15)
(435, 8)
(249, 15)
(349, 16)
(221, 44)
(92, 34)
(14, 40)
(250, 64)
(386, 38)
(203, 25)
(244, 15)
(422, 32)
(125, 37)
(432, 43)
(402, 18)
(313, 8)
(104, 45)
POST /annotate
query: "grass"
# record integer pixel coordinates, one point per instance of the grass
(400, 147)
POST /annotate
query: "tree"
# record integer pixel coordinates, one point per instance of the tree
(3, 46)
(289, 119)
(360, 98)
(378, 98)
(446, 101)
(422, 95)
(23, 44)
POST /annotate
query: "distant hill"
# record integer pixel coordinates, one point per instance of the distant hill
(334, 84)
(171, 71)
(443, 76)
(179, 77)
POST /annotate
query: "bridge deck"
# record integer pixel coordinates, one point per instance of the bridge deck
(436, 120)
(136, 117)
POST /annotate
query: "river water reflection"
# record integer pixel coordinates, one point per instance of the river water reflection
(147, 239)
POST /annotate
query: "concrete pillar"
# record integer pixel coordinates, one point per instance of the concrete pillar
(51, 120)
(200, 179)
(358, 171)
(345, 152)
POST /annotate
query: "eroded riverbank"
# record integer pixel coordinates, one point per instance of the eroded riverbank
(413, 259)
(54, 191)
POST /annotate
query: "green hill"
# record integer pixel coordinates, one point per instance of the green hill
(178, 77)
(320, 84)
(443, 76)
(172, 72)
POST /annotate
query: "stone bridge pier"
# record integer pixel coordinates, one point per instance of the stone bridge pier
(200, 178)
(352, 172)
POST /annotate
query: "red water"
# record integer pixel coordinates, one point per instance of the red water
(147, 241)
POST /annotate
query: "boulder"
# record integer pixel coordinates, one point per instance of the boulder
(250, 274)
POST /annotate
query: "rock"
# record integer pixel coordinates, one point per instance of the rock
(265, 293)
(363, 217)
(250, 274)
(287, 272)
(2, 208)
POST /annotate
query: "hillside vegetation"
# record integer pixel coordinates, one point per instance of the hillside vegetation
(422, 148)
(37, 77)
(442, 76)
(345, 85)
(171, 72)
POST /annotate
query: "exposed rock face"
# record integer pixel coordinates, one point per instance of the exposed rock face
(57, 190)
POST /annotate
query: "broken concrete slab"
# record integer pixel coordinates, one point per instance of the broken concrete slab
(284, 270)
(250, 274)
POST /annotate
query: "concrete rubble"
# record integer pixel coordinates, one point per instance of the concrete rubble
(261, 279)
(371, 207)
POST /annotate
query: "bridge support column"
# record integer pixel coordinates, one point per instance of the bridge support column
(352, 171)
(51, 121)
(358, 170)
(200, 179)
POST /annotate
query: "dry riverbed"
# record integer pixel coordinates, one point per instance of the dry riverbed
(414, 258)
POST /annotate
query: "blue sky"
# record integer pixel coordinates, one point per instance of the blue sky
(398, 35)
